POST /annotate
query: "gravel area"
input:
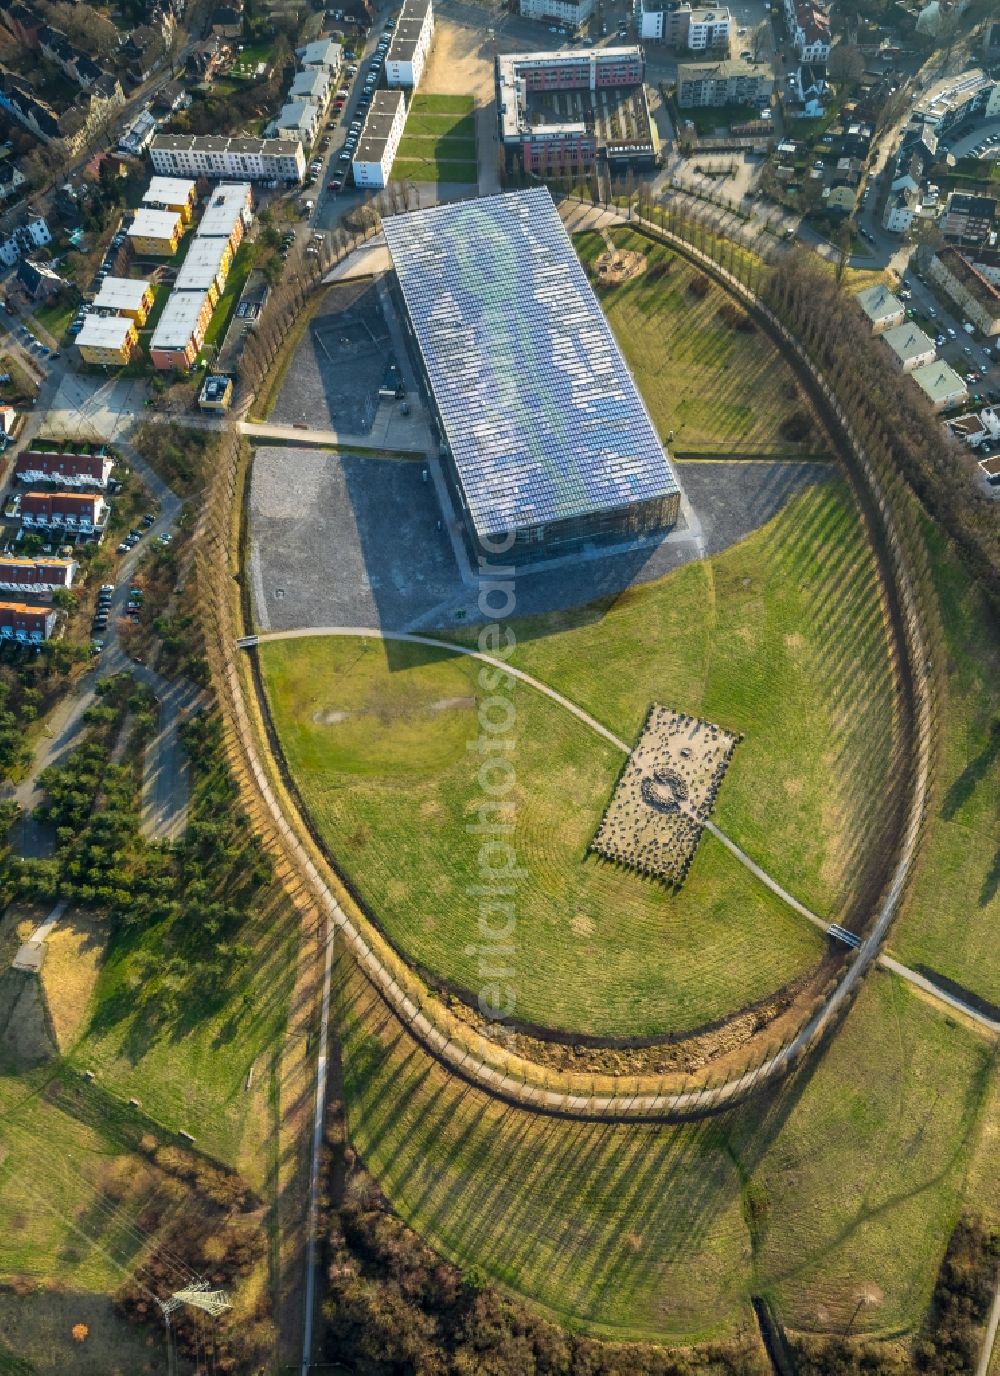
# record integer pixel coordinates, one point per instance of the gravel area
(351, 541)
(333, 380)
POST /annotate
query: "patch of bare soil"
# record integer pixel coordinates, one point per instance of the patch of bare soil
(619, 265)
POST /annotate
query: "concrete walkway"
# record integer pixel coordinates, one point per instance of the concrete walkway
(983, 1367)
(926, 985)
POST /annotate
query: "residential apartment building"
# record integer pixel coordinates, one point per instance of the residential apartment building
(109, 341)
(383, 129)
(976, 296)
(298, 119)
(30, 625)
(575, 70)
(228, 214)
(325, 53)
(180, 331)
(883, 310)
(155, 233)
(968, 219)
(36, 577)
(901, 208)
(213, 156)
(733, 82)
(941, 385)
(410, 44)
(205, 267)
(573, 13)
(81, 513)
(910, 347)
(179, 194)
(311, 86)
(91, 470)
(129, 296)
(809, 29)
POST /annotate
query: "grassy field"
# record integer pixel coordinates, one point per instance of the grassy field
(781, 638)
(439, 141)
(235, 282)
(193, 1075)
(717, 388)
(950, 924)
(850, 1177)
(379, 751)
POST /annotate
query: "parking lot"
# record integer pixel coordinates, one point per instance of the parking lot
(334, 379)
(343, 540)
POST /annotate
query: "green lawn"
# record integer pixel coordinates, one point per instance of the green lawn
(430, 170)
(428, 149)
(780, 638)
(235, 282)
(852, 1176)
(951, 921)
(718, 389)
(56, 315)
(424, 104)
(441, 126)
(379, 753)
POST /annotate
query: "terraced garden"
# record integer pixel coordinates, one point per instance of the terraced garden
(439, 141)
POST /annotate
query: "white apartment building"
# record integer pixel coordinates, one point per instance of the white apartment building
(709, 29)
(215, 156)
(572, 12)
(410, 44)
(380, 138)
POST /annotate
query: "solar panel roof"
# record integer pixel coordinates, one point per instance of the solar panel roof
(540, 412)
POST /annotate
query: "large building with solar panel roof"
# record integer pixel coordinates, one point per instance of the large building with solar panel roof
(547, 442)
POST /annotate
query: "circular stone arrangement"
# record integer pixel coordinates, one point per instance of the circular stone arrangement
(619, 265)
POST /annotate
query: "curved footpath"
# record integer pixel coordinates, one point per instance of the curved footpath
(517, 1088)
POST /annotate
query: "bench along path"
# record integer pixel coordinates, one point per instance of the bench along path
(927, 986)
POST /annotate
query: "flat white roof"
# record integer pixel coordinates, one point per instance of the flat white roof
(223, 210)
(153, 224)
(121, 293)
(179, 318)
(878, 302)
(168, 191)
(202, 264)
(105, 331)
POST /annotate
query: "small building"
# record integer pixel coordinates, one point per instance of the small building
(30, 625)
(129, 296)
(227, 21)
(172, 193)
(969, 219)
(883, 310)
(38, 280)
(228, 214)
(573, 13)
(36, 577)
(217, 393)
(410, 44)
(976, 429)
(8, 420)
(941, 385)
(383, 129)
(298, 119)
(910, 347)
(73, 470)
(731, 82)
(205, 267)
(81, 513)
(108, 340)
(155, 232)
(323, 53)
(180, 332)
(976, 296)
(311, 86)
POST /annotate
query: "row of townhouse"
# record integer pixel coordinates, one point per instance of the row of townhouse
(39, 577)
(912, 351)
(76, 513)
(975, 294)
(731, 82)
(82, 122)
(26, 625)
(88, 466)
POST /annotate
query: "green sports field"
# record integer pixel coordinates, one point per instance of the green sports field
(755, 639)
